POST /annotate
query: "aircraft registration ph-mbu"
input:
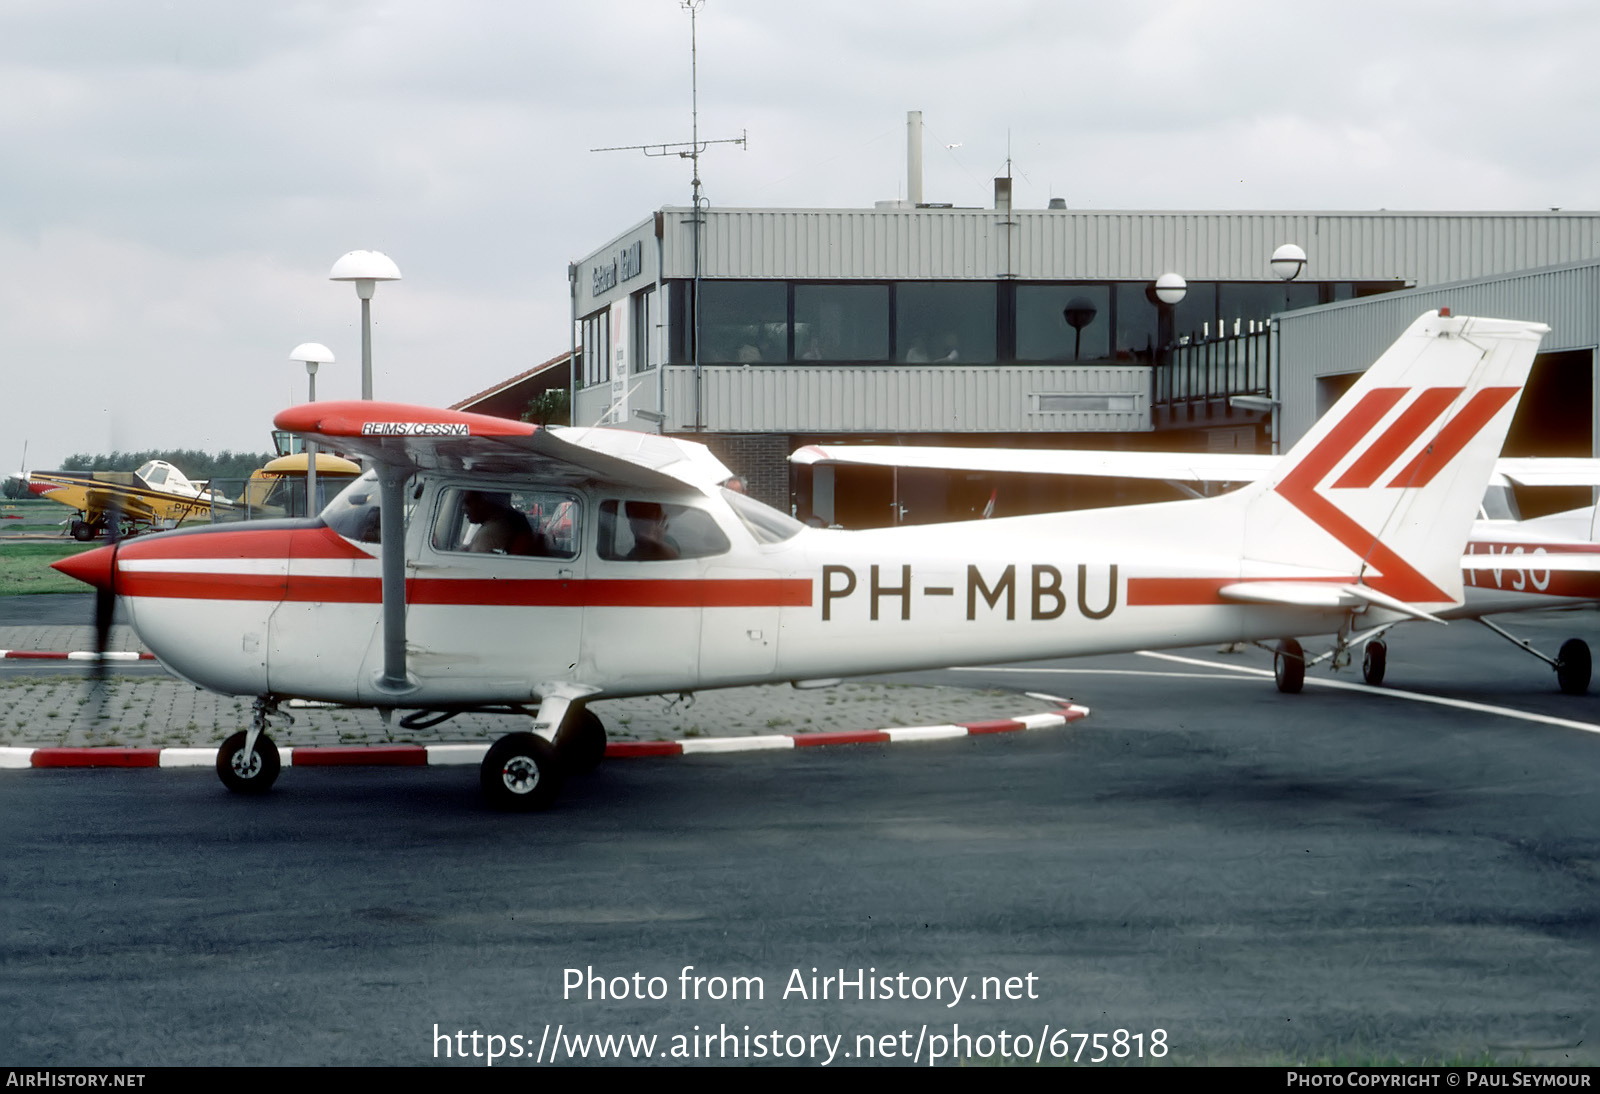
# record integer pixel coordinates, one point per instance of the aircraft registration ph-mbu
(486, 564)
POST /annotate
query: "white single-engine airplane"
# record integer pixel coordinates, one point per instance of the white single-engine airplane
(1510, 565)
(486, 564)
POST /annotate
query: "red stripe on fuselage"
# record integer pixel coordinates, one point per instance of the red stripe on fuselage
(526, 593)
(1177, 592)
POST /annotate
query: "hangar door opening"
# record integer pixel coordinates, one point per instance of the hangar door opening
(1555, 418)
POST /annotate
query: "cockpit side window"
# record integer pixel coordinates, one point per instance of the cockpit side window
(652, 531)
(527, 523)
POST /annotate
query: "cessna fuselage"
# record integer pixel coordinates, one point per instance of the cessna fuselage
(626, 592)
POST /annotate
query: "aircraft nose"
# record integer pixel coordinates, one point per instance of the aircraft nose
(91, 567)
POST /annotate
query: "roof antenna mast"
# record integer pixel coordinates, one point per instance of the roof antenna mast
(691, 152)
(690, 149)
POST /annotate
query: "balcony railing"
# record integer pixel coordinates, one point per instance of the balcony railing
(1197, 377)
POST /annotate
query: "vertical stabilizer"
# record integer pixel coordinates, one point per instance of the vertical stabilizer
(1386, 485)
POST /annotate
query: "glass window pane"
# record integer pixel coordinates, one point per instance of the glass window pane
(744, 321)
(649, 531)
(1196, 314)
(1063, 322)
(1138, 327)
(841, 322)
(526, 523)
(945, 322)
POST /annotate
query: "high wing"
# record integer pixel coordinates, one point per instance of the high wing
(1189, 467)
(427, 439)
(1185, 467)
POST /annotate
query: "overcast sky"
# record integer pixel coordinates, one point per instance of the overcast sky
(176, 178)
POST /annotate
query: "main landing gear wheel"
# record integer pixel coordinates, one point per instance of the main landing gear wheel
(252, 774)
(1289, 666)
(1373, 662)
(83, 531)
(1573, 666)
(581, 744)
(521, 773)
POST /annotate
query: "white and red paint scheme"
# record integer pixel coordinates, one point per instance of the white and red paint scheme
(1366, 519)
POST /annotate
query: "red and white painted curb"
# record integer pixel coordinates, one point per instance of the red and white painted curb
(435, 755)
(76, 655)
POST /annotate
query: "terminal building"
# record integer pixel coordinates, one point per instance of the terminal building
(759, 331)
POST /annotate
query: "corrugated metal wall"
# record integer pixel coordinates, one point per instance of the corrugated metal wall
(907, 398)
(1422, 248)
(1345, 338)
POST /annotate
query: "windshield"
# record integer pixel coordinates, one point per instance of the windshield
(355, 514)
(767, 524)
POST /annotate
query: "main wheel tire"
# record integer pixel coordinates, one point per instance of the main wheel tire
(1573, 666)
(521, 773)
(1374, 661)
(581, 744)
(1289, 666)
(83, 531)
(252, 775)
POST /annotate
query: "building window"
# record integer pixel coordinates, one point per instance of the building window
(1257, 300)
(937, 322)
(1139, 333)
(646, 330)
(742, 322)
(595, 338)
(841, 322)
(1063, 322)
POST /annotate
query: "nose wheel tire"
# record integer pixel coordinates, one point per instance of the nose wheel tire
(581, 744)
(1374, 661)
(1289, 666)
(1573, 666)
(252, 774)
(521, 773)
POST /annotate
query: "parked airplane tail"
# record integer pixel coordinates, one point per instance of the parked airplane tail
(1386, 485)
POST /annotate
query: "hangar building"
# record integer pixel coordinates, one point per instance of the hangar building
(759, 331)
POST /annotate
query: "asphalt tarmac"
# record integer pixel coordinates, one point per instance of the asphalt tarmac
(1342, 876)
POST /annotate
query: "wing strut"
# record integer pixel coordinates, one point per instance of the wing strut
(391, 495)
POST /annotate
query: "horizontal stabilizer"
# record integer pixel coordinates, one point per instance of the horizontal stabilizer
(1321, 595)
(1296, 594)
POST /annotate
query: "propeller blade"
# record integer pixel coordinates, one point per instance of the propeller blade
(105, 596)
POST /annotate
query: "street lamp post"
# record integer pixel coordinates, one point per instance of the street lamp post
(366, 269)
(1287, 262)
(313, 354)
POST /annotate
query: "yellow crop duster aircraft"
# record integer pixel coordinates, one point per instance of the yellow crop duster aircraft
(157, 495)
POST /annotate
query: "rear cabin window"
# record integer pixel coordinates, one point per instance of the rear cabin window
(650, 531)
(526, 523)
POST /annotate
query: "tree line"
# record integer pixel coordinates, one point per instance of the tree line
(191, 461)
